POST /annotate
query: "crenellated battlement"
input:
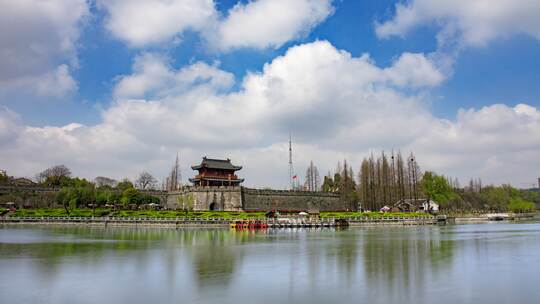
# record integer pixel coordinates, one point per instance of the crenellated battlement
(236, 198)
(288, 192)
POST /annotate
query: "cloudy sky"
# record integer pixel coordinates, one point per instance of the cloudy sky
(114, 87)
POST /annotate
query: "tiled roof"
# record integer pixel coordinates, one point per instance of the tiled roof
(211, 163)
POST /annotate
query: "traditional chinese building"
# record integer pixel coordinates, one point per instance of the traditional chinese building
(208, 193)
(216, 172)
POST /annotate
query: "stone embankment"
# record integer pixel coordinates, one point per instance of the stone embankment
(483, 218)
(197, 222)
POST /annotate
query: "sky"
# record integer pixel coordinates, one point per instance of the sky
(113, 88)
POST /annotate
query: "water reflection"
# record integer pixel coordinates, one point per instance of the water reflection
(215, 258)
(374, 264)
(400, 260)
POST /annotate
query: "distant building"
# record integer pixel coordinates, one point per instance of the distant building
(216, 172)
(537, 189)
(416, 205)
(22, 181)
(3, 173)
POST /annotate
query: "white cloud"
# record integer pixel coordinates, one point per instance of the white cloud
(37, 44)
(496, 142)
(472, 23)
(414, 70)
(270, 23)
(56, 83)
(367, 108)
(152, 74)
(257, 24)
(9, 125)
(141, 22)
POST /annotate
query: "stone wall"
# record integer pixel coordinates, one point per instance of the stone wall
(240, 198)
(203, 198)
(266, 200)
(206, 198)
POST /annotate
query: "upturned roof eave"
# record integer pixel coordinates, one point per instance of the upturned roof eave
(217, 179)
(198, 167)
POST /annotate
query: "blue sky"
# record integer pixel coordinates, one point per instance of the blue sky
(505, 71)
(469, 62)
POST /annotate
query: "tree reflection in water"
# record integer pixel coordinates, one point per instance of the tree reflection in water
(399, 260)
(371, 264)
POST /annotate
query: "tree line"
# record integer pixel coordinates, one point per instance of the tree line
(381, 181)
(388, 179)
(78, 192)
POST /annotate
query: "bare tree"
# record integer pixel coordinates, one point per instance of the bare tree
(56, 171)
(102, 181)
(372, 183)
(456, 184)
(313, 179)
(53, 175)
(414, 175)
(364, 186)
(383, 183)
(393, 192)
(385, 178)
(146, 181)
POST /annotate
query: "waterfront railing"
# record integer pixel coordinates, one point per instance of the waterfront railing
(218, 221)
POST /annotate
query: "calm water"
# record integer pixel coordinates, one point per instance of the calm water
(486, 263)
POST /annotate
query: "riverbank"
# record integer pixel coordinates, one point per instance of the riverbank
(218, 222)
(482, 218)
(172, 214)
(222, 219)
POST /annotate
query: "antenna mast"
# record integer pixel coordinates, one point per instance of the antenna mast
(291, 170)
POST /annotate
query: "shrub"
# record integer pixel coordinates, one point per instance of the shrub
(520, 205)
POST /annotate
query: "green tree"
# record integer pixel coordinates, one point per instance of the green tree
(3, 178)
(436, 187)
(328, 184)
(495, 198)
(337, 181)
(67, 197)
(129, 196)
(77, 183)
(143, 198)
(347, 185)
(86, 196)
(520, 205)
(114, 197)
(102, 197)
(531, 196)
(124, 185)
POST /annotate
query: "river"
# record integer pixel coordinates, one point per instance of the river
(477, 263)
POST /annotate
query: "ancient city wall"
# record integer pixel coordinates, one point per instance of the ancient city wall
(240, 198)
(206, 198)
(266, 200)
